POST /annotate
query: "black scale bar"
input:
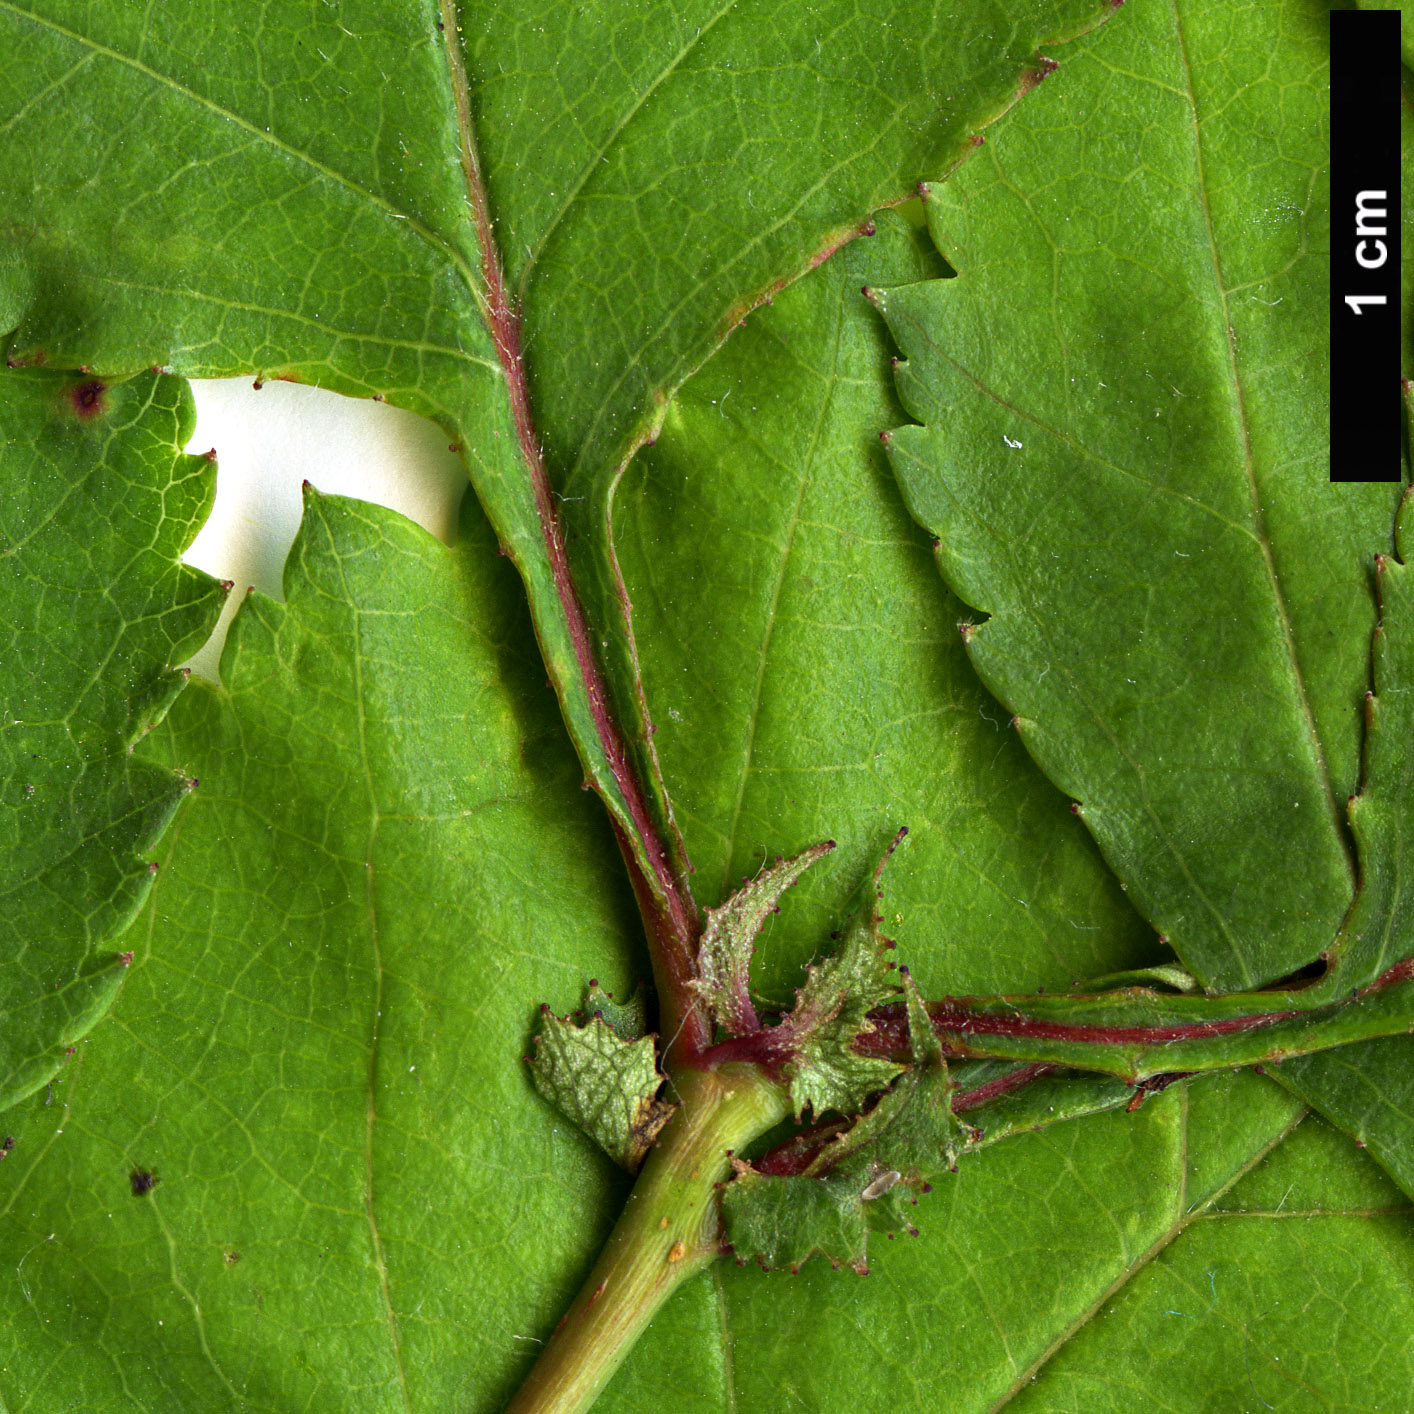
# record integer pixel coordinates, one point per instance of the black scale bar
(1365, 72)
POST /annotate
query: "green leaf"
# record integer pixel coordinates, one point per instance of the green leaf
(94, 612)
(729, 937)
(1281, 1292)
(1369, 1089)
(360, 1201)
(605, 1081)
(858, 1179)
(806, 677)
(338, 1112)
(1181, 634)
(831, 1013)
(383, 222)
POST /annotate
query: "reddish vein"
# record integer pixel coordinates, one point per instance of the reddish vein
(963, 1018)
(669, 911)
(979, 1095)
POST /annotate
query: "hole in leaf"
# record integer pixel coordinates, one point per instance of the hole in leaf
(269, 441)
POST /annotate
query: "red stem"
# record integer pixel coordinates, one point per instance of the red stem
(669, 911)
(978, 1095)
(889, 1036)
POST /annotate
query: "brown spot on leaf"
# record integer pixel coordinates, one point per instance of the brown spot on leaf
(89, 399)
(142, 1182)
(1040, 70)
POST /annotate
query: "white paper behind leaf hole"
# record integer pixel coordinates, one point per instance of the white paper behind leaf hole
(269, 441)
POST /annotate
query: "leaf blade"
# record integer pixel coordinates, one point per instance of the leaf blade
(1157, 580)
(99, 504)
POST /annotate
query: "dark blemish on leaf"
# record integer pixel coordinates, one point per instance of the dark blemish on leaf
(454, 448)
(1075, 807)
(379, 398)
(7, 1146)
(257, 385)
(88, 399)
(142, 1182)
(210, 455)
(229, 1257)
(1041, 70)
(126, 958)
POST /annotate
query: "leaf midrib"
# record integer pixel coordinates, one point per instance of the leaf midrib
(371, 1109)
(763, 657)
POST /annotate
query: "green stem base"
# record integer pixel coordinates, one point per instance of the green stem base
(670, 1229)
